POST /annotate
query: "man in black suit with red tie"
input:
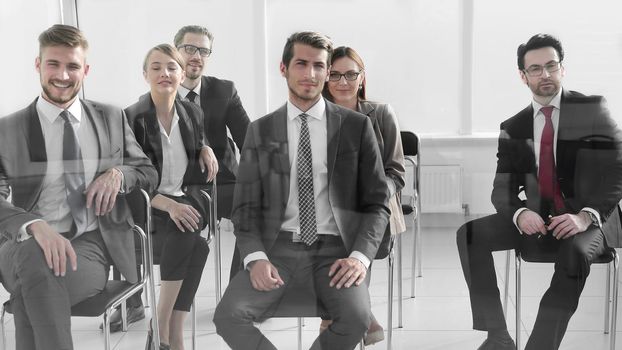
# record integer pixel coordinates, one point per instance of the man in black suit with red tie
(556, 188)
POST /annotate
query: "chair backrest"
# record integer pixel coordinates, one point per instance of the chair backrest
(410, 143)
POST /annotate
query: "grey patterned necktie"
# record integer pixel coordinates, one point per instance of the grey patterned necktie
(306, 198)
(74, 176)
(191, 96)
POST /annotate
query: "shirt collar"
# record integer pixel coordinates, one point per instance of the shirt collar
(317, 111)
(51, 111)
(555, 102)
(173, 123)
(183, 91)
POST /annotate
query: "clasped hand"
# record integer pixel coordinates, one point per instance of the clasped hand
(562, 226)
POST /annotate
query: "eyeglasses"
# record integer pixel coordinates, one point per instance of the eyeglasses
(191, 50)
(349, 75)
(536, 71)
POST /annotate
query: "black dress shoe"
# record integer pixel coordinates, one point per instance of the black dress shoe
(497, 344)
(134, 313)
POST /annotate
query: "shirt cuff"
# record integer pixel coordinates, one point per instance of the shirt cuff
(23, 234)
(360, 257)
(515, 218)
(122, 189)
(253, 257)
(596, 214)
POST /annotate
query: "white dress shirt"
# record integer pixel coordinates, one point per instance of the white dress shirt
(325, 220)
(52, 203)
(174, 159)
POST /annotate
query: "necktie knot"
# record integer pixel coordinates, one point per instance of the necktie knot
(547, 111)
(65, 116)
(191, 96)
(303, 117)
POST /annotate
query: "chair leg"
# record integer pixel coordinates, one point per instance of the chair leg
(299, 333)
(399, 281)
(194, 324)
(507, 283)
(414, 262)
(616, 280)
(390, 303)
(607, 298)
(518, 297)
(217, 261)
(2, 313)
(107, 314)
(419, 244)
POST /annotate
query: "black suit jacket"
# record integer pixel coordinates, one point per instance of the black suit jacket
(588, 163)
(23, 164)
(358, 193)
(222, 109)
(144, 122)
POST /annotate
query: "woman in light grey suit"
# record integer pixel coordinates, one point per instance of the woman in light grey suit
(346, 87)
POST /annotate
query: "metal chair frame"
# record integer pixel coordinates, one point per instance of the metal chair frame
(415, 203)
(610, 311)
(116, 301)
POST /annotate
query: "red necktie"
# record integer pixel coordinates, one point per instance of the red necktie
(547, 178)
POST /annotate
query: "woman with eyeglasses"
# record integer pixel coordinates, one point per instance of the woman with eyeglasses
(346, 87)
(170, 131)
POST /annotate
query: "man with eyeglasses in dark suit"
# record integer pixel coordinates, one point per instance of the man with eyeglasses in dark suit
(556, 189)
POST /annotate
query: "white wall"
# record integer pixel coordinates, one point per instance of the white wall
(21, 22)
(413, 51)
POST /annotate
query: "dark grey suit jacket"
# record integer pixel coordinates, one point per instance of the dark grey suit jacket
(588, 163)
(358, 193)
(23, 164)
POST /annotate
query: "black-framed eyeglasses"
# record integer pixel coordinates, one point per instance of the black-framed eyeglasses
(349, 75)
(191, 50)
(536, 71)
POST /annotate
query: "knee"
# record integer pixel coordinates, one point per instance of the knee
(228, 312)
(356, 319)
(30, 263)
(575, 260)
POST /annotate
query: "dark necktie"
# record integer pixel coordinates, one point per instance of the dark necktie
(74, 175)
(191, 96)
(306, 198)
(547, 177)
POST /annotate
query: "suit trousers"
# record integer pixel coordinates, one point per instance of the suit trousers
(477, 240)
(303, 268)
(41, 301)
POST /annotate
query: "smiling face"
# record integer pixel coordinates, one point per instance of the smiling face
(61, 72)
(306, 74)
(163, 73)
(545, 86)
(345, 91)
(195, 63)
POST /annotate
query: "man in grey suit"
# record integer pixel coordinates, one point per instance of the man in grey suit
(310, 205)
(64, 161)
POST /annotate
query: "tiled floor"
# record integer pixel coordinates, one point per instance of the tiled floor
(438, 318)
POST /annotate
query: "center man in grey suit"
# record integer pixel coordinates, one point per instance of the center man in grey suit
(310, 204)
(64, 161)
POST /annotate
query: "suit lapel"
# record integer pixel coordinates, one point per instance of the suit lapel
(95, 115)
(185, 127)
(152, 128)
(280, 148)
(34, 135)
(333, 130)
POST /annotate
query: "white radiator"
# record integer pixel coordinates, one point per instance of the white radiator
(441, 189)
